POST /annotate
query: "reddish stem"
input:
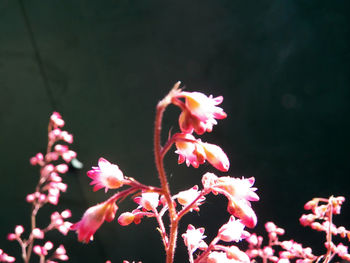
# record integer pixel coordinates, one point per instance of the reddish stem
(170, 249)
(329, 232)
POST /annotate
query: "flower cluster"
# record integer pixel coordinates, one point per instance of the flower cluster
(48, 190)
(232, 231)
(199, 113)
(6, 258)
(320, 220)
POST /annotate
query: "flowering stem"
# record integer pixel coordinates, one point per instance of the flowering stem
(170, 249)
(329, 232)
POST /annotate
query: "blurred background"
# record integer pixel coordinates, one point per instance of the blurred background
(282, 67)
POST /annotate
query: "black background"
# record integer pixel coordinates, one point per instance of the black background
(282, 67)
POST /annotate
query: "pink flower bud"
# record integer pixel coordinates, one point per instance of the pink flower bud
(242, 210)
(66, 137)
(270, 227)
(311, 204)
(126, 218)
(60, 253)
(19, 230)
(216, 156)
(62, 168)
(66, 213)
(235, 253)
(30, 198)
(37, 233)
(11, 236)
(68, 156)
(56, 119)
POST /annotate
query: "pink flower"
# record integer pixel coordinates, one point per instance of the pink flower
(93, 219)
(238, 192)
(106, 175)
(199, 112)
(195, 152)
(242, 209)
(219, 257)
(57, 120)
(189, 150)
(188, 196)
(62, 168)
(235, 253)
(148, 200)
(216, 156)
(193, 238)
(233, 230)
(57, 221)
(6, 258)
(43, 250)
(38, 233)
(237, 188)
(126, 218)
(60, 253)
(209, 180)
(37, 159)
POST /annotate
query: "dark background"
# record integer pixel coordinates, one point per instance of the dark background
(282, 67)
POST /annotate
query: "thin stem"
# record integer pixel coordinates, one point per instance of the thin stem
(329, 232)
(31, 238)
(161, 228)
(170, 249)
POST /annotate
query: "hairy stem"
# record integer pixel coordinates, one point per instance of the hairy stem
(170, 249)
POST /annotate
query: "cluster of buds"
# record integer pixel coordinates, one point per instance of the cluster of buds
(50, 184)
(48, 190)
(276, 250)
(6, 258)
(320, 220)
(58, 254)
(199, 113)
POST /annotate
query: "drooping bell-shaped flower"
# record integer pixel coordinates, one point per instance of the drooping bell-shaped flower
(106, 175)
(239, 192)
(199, 112)
(242, 209)
(195, 152)
(189, 150)
(238, 188)
(188, 196)
(93, 219)
(148, 200)
(216, 156)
